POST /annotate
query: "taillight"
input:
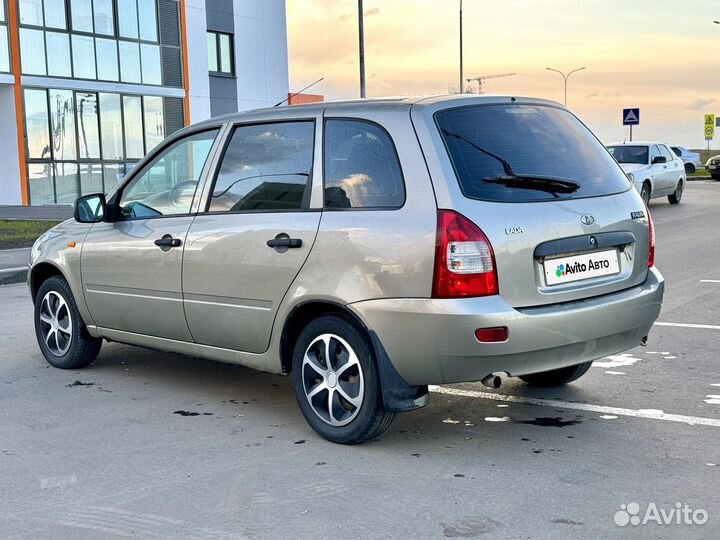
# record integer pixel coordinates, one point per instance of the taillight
(464, 259)
(651, 241)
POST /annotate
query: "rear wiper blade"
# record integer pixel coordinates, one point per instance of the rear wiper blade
(504, 162)
(539, 183)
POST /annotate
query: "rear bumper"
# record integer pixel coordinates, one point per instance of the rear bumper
(432, 341)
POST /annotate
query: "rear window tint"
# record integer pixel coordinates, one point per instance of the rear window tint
(517, 153)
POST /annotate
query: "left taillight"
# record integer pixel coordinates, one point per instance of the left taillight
(464, 259)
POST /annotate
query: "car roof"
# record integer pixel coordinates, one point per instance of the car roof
(637, 143)
(384, 104)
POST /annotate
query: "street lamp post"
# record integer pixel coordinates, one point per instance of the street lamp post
(461, 50)
(565, 77)
(361, 47)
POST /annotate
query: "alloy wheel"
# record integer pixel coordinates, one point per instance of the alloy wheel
(332, 380)
(56, 323)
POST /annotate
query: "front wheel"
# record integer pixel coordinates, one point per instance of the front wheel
(557, 377)
(60, 331)
(645, 193)
(689, 168)
(336, 380)
(677, 195)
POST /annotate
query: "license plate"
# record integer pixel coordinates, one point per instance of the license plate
(561, 270)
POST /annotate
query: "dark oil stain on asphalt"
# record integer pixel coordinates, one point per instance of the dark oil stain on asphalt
(545, 421)
(567, 522)
(192, 413)
(301, 441)
(80, 383)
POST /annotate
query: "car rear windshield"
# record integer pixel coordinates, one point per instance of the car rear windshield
(520, 153)
(626, 153)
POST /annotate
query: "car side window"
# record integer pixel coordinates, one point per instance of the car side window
(362, 169)
(266, 167)
(667, 153)
(654, 152)
(677, 151)
(167, 185)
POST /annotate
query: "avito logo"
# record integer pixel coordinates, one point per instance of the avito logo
(577, 267)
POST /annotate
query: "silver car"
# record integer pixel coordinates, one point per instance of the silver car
(368, 249)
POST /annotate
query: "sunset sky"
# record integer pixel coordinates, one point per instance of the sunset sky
(659, 55)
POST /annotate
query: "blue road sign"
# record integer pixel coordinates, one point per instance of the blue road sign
(631, 117)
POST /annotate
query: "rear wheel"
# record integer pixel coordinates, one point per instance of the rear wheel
(557, 377)
(336, 380)
(645, 193)
(677, 195)
(61, 333)
(689, 168)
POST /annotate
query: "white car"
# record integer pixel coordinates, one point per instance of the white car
(653, 168)
(690, 159)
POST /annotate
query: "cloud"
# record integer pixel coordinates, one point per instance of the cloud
(368, 13)
(701, 103)
(603, 95)
(372, 11)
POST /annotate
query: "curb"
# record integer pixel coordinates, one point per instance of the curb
(12, 276)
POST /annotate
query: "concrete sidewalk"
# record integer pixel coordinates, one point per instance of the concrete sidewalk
(13, 265)
(42, 213)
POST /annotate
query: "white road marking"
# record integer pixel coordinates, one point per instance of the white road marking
(710, 281)
(615, 372)
(712, 399)
(608, 416)
(652, 414)
(8, 270)
(616, 360)
(687, 325)
(714, 384)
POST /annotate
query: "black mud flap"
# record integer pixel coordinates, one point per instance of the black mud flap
(398, 396)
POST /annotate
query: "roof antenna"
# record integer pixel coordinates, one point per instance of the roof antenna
(290, 96)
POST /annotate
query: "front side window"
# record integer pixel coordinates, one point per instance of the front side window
(654, 153)
(361, 166)
(667, 153)
(266, 167)
(167, 185)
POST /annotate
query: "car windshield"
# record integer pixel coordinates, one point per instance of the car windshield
(629, 154)
(520, 152)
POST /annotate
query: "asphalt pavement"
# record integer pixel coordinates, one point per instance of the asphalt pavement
(151, 445)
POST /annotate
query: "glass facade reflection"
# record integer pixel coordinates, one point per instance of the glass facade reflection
(85, 142)
(105, 40)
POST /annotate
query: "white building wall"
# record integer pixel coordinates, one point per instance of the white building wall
(10, 163)
(261, 54)
(198, 60)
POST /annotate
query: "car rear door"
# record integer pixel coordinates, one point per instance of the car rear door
(257, 226)
(675, 169)
(661, 175)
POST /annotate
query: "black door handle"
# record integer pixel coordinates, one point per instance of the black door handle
(168, 241)
(284, 242)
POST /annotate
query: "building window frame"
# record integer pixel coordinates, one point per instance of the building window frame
(222, 71)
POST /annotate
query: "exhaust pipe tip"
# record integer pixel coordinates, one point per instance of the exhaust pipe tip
(492, 381)
(643, 341)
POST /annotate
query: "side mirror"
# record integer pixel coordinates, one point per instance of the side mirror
(90, 208)
(659, 159)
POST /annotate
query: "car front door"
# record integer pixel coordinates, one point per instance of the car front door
(659, 171)
(132, 264)
(253, 236)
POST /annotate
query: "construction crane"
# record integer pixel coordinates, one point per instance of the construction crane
(479, 80)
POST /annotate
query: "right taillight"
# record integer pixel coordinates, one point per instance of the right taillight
(464, 259)
(651, 240)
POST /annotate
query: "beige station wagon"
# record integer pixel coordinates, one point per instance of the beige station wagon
(366, 248)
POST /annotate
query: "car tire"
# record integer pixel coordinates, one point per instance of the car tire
(715, 177)
(689, 168)
(336, 381)
(59, 328)
(557, 377)
(646, 193)
(677, 195)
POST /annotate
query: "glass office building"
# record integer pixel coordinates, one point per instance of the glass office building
(93, 85)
